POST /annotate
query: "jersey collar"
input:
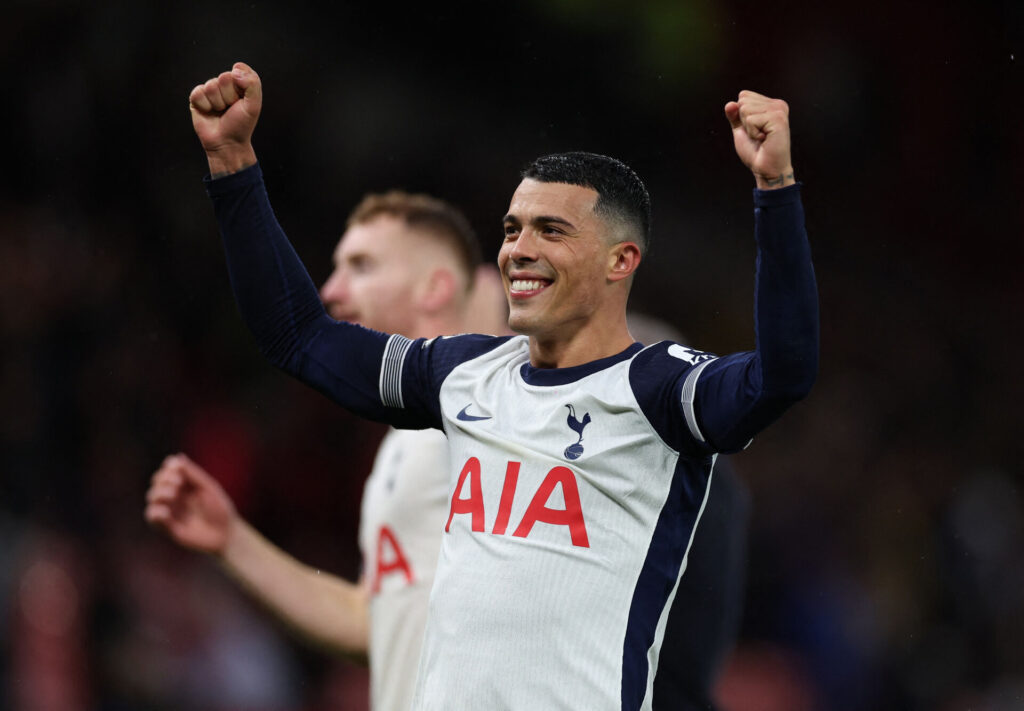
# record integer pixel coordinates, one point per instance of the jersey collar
(561, 376)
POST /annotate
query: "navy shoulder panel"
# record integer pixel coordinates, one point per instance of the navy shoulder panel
(657, 376)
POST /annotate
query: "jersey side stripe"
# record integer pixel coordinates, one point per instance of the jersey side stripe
(664, 564)
(391, 370)
(689, 395)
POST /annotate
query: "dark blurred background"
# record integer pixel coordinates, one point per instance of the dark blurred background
(887, 542)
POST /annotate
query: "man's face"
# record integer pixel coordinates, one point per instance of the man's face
(375, 276)
(554, 259)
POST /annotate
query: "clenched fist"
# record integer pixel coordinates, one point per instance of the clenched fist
(190, 506)
(224, 114)
(760, 130)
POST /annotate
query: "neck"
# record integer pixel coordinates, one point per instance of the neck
(436, 325)
(580, 348)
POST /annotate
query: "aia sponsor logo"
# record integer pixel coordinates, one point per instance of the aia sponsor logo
(391, 559)
(468, 499)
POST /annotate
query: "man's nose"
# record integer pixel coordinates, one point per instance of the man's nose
(335, 289)
(525, 247)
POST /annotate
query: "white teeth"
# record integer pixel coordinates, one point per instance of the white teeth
(526, 285)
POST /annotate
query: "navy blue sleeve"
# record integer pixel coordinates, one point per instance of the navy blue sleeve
(737, 396)
(282, 307)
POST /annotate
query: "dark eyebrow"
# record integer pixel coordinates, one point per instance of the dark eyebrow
(540, 220)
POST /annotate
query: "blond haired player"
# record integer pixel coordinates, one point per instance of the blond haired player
(406, 264)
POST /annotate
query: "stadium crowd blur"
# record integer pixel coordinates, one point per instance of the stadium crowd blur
(887, 542)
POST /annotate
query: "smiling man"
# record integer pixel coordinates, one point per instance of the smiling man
(581, 460)
(573, 237)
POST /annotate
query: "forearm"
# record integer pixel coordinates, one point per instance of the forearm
(322, 608)
(786, 310)
(740, 395)
(281, 306)
(275, 295)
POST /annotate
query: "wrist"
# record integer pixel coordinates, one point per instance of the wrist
(236, 540)
(226, 160)
(783, 179)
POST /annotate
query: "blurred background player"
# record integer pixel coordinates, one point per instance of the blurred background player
(407, 264)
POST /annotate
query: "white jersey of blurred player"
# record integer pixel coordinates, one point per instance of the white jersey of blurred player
(405, 502)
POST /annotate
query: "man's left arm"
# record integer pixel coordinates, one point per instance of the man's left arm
(737, 396)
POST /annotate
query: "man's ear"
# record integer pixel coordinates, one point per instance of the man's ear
(623, 259)
(438, 290)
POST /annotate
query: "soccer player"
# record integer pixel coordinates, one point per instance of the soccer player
(405, 264)
(581, 459)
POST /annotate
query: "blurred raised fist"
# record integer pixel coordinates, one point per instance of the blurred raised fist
(190, 506)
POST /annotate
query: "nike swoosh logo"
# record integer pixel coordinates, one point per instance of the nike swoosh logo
(466, 417)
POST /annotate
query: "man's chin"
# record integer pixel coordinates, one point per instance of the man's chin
(522, 324)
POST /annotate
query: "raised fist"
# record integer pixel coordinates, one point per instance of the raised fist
(224, 114)
(760, 130)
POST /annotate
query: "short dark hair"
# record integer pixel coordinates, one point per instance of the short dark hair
(620, 192)
(428, 213)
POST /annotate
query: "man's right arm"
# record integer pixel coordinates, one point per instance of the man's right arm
(275, 295)
(194, 511)
(282, 308)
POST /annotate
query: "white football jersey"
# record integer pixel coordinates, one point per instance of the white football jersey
(405, 502)
(575, 495)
